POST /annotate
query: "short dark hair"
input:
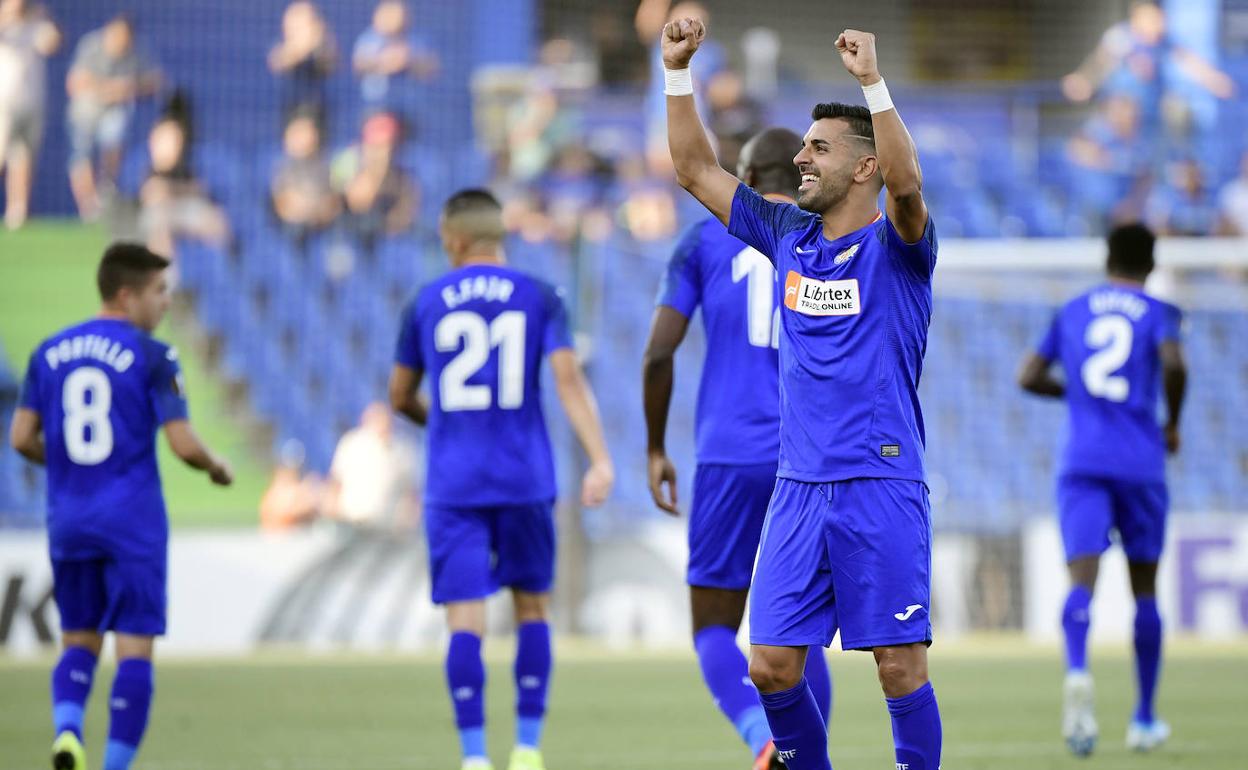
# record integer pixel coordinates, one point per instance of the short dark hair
(858, 117)
(126, 265)
(472, 199)
(1131, 250)
(475, 212)
(768, 158)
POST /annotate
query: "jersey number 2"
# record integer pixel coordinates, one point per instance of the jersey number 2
(1111, 337)
(506, 332)
(88, 431)
(762, 315)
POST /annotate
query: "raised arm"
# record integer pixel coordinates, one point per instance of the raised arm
(187, 446)
(899, 161)
(1174, 381)
(697, 169)
(26, 434)
(667, 331)
(582, 410)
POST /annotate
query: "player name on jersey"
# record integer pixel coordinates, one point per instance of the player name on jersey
(1114, 301)
(91, 346)
(491, 288)
(814, 297)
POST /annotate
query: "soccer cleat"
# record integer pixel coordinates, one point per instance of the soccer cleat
(1146, 736)
(1078, 714)
(768, 758)
(67, 753)
(476, 763)
(526, 758)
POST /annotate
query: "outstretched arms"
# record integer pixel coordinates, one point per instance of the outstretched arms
(667, 330)
(697, 169)
(899, 162)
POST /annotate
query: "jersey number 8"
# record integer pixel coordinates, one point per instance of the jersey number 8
(88, 431)
(506, 332)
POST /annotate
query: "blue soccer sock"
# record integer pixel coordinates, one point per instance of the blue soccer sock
(800, 733)
(1075, 621)
(1147, 655)
(533, 664)
(727, 676)
(819, 678)
(465, 678)
(916, 729)
(129, 705)
(71, 686)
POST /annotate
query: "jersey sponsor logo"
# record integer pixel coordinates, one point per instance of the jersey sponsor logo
(811, 296)
(846, 255)
(910, 610)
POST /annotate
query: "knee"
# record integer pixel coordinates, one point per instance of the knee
(900, 677)
(773, 673)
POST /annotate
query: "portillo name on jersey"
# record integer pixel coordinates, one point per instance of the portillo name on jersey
(821, 298)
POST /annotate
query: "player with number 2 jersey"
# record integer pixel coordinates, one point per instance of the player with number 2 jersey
(1119, 348)
(481, 333)
(94, 396)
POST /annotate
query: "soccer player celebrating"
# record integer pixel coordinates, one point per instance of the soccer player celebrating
(847, 539)
(93, 399)
(481, 332)
(1118, 347)
(737, 432)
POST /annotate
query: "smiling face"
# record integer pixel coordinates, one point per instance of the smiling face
(832, 159)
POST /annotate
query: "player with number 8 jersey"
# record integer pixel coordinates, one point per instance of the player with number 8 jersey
(481, 333)
(94, 396)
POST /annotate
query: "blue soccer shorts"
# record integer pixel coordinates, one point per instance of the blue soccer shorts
(1089, 507)
(475, 551)
(109, 594)
(852, 555)
(729, 506)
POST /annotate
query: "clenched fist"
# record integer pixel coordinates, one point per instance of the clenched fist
(857, 50)
(680, 39)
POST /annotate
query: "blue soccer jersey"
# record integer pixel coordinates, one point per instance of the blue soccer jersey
(480, 333)
(1107, 341)
(738, 415)
(854, 327)
(102, 388)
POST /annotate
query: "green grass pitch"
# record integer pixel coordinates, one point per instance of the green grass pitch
(999, 701)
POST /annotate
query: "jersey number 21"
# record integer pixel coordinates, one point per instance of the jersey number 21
(478, 338)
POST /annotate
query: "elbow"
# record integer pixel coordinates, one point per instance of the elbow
(906, 191)
(655, 359)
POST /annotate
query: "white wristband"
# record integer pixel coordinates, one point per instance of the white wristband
(877, 96)
(677, 82)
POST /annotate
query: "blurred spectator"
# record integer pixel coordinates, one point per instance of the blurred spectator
(172, 202)
(575, 188)
(303, 199)
(651, 16)
(304, 57)
(735, 117)
(1183, 204)
(1233, 202)
(292, 497)
(388, 52)
(372, 477)
(1131, 61)
(109, 73)
(379, 198)
(27, 37)
(648, 208)
(1112, 161)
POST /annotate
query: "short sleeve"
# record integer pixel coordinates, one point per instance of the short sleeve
(1050, 346)
(166, 386)
(763, 223)
(556, 335)
(921, 255)
(30, 385)
(681, 288)
(1170, 326)
(407, 351)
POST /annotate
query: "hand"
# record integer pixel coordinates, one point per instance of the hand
(680, 39)
(857, 50)
(1077, 87)
(596, 486)
(1172, 439)
(221, 474)
(661, 470)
